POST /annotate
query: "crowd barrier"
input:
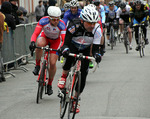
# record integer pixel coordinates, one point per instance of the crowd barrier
(16, 44)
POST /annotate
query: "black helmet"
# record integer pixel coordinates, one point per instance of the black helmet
(111, 3)
(96, 2)
(138, 2)
(122, 5)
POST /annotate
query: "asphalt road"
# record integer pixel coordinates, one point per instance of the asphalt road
(119, 89)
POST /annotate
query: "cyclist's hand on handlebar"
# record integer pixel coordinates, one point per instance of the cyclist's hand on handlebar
(32, 47)
(66, 52)
(98, 57)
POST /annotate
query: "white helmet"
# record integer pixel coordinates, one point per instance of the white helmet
(74, 3)
(54, 11)
(66, 5)
(89, 14)
(91, 5)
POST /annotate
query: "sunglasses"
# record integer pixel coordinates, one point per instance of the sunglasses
(91, 23)
(54, 19)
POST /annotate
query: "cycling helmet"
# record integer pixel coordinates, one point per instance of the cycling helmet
(96, 2)
(54, 11)
(91, 5)
(66, 5)
(89, 14)
(122, 5)
(74, 3)
(111, 3)
(138, 2)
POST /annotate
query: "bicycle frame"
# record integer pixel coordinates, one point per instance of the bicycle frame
(46, 55)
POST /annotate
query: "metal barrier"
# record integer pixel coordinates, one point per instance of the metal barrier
(16, 44)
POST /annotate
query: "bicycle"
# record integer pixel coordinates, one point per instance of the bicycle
(125, 37)
(113, 34)
(43, 73)
(141, 40)
(66, 95)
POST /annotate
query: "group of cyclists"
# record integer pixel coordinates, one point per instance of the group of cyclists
(78, 30)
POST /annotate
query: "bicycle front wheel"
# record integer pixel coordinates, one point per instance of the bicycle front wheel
(41, 82)
(75, 89)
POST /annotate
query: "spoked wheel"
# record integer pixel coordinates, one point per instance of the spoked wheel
(63, 103)
(41, 82)
(77, 83)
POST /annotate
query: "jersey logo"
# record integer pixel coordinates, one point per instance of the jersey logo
(72, 29)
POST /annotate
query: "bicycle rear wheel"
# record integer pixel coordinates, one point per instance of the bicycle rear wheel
(41, 82)
(77, 82)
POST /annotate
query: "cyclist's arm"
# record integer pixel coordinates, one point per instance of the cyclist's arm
(103, 14)
(146, 13)
(66, 16)
(36, 32)
(131, 15)
(97, 39)
(63, 32)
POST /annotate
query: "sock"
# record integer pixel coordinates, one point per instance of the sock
(64, 75)
(50, 82)
(38, 62)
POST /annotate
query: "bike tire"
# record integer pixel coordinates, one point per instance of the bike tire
(41, 82)
(71, 114)
(140, 48)
(126, 44)
(63, 104)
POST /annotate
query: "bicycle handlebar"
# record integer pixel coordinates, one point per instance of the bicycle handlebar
(46, 48)
(81, 56)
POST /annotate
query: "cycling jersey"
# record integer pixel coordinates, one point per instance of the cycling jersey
(68, 16)
(124, 15)
(111, 15)
(50, 31)
(82, 39)
(139, 14)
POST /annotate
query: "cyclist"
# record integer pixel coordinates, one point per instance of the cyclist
(110, 17)
(73, 12)
(80, 34)
(65, 8)
(123, 17)
(139, 14)
(52, 31)
(117, 3)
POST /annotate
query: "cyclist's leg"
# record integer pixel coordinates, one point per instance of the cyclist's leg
(145, 31)
(121, 27)
(130, 36)
(67, 66)
(136, 33)
(108, 34)
(41, 42)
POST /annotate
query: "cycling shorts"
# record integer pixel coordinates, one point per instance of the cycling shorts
(54, 43)
(136, 22)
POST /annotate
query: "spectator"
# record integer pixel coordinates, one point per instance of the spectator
(6, 9)
(2, 17)
(20, 16)
(24, 14)
(39, 11)
(46, 5)
(14, 10)
(52, 2)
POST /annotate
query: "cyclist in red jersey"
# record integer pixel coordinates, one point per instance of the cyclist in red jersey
(50, 30)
